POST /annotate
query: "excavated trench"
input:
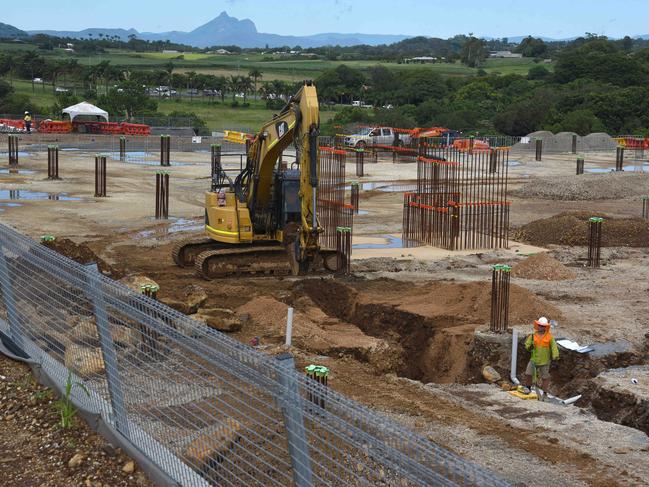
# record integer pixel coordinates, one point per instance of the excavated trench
(429, 349)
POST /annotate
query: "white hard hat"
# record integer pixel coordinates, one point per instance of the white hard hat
(542, 320)
(26, 113)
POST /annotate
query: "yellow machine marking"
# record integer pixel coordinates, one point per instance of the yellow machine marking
(221, 232)
(290, 127)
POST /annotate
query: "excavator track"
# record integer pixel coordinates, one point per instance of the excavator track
(250, 261)
(185, 252)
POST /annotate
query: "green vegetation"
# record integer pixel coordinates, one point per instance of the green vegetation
(64, 404)
(591, 83)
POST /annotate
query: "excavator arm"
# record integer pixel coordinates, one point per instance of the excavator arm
(297, 123)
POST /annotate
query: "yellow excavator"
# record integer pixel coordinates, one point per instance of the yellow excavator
(265, 220)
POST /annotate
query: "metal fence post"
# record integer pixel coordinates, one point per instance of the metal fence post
(13, 318)
(291, 404)
(107, 349)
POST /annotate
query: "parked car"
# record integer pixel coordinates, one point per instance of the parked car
(376, 136)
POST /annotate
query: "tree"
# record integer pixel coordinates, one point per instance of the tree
(255, 74)
(129, 99)
(532, 47)
(246, 86)
(583, 122)
(538, 72)
(473, 52)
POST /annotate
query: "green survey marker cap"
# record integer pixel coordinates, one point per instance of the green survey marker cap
(501, 267)
(596, 219)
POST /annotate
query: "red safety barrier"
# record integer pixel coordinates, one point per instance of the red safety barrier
(18, 124)
(135, 129)
(55, 127)
(332, 150)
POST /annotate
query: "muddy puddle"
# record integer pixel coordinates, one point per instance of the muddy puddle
(176, 225)
(144, 158)
(391, 242)
(22, 194)
(11, 170)
(21, 153)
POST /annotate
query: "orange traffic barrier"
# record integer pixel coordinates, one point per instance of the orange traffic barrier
(55, 127)
(135, 129)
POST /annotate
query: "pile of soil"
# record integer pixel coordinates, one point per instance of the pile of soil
(587, 187)
(543, 267)
(313, 330)
(35, 450)
(571, 228)
(82, 254)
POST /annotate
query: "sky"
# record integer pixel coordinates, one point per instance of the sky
(435, 18)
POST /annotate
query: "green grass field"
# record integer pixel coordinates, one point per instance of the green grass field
(278, 68)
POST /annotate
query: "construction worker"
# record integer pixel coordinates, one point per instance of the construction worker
(28, 122)
(544, 351)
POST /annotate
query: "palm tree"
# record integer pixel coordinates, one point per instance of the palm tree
(246, 86)
(191, 76)
(255, 74)
(233, 84)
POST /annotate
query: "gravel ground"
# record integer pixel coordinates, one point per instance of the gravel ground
(36, 451)
(605, 186)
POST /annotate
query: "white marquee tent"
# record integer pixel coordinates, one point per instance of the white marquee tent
(85, 109)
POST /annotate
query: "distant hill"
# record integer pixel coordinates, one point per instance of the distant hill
(225, 30)
(9, 31)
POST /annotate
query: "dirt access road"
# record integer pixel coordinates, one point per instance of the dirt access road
(399, 334)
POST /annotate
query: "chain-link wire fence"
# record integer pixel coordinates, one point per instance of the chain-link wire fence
(204, 408)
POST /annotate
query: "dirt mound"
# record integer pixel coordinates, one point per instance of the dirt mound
(587, 187)
(315, 331)
(572, 229)
(543, 267)
(82, 254)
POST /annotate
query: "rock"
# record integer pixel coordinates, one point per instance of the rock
(191, 299)
(213, 444)
(76, 460)
(109, 450)
(85, 332)
(505, 386)
(490, 374)
(84, 360)
(220, 319)
(125, 337)
(129, 467)
(140, 479)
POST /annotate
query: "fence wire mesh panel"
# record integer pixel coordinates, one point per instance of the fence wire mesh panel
(204, 408)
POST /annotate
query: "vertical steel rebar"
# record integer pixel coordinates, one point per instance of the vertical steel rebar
(122, 149)
(539, 149)
(500, 277)
(580, 165)
(53, 162)
(100, 176)
(645, 207)
(360, 158)
(343, 250)
(355, 196)
(165, 150)
(619, 159)
(594, 241)
(12, 140)
(574, 143)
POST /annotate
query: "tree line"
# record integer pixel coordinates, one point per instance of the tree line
(597, 85)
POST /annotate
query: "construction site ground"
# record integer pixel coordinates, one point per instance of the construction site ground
(405, 334)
